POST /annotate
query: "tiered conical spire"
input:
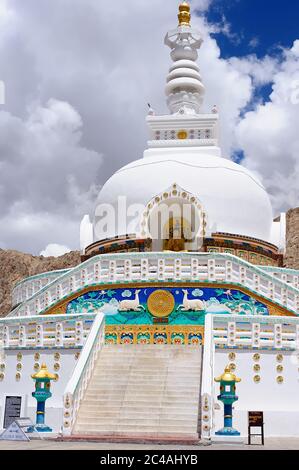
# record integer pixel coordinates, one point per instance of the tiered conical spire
(184, 89)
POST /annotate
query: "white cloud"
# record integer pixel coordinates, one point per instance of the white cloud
(53, 249)
(77, 84)
(269, 135)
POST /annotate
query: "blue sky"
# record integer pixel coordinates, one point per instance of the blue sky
(257, 26)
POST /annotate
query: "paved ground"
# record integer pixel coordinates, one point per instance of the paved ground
(271, 444)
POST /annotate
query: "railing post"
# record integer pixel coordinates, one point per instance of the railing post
(112, 268)
(144, 269)
(271, 290)
(97, 272)
(231, 334)
(177, 269)
(278, 336)
(243, 275)
(59, 334)
(83, 277)
(128, 270)
(194, 268)
(211, 269)
(39, 335)
(255, 332)
(229, 271)
(161, 269)
(6, 336)
(37, 306)
(284, 297)
(257, 280)
(22, 336)
(79, 333)
(58, 291)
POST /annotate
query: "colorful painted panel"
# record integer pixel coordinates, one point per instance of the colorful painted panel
(144, 334)
(182, 306)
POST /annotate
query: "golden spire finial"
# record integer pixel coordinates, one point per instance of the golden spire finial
(184, 15)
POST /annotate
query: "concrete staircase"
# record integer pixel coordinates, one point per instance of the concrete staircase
(143, 391)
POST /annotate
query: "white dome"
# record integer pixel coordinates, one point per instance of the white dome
(233, 199)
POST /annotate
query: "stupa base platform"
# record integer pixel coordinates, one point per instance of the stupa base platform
(227, 439)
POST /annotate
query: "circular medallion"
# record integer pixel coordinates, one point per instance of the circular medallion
(182, 135)
(257, 379)
(279, 379)
(37, 356)
(279, 369)
(256, 368)
(160, 303)
(232, 367)
(256, 357)
(232, 356)
(279, 358)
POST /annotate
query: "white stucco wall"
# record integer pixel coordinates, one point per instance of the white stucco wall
(279, 403)
(25, 386)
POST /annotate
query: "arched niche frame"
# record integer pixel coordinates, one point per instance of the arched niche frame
(163, 211)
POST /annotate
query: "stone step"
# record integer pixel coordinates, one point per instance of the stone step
(131, 428)
(100, 402)
(143, 380)
(143, 396)
(109, 371)
(131, 386)
(143, 417)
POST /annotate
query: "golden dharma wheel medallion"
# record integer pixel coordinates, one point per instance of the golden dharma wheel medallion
(160, 303)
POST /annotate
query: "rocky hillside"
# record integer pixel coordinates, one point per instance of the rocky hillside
(292, 249)
(15, 266)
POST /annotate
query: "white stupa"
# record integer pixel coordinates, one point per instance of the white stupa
(184, 153)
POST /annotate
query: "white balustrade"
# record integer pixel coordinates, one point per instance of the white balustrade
(23, 290)
(48, 331)
(136, 267)
(256, 332)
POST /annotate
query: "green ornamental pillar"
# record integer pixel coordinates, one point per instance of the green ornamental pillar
(41, 394)
(228, 396)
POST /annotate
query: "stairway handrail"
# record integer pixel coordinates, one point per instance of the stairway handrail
(81, 375)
